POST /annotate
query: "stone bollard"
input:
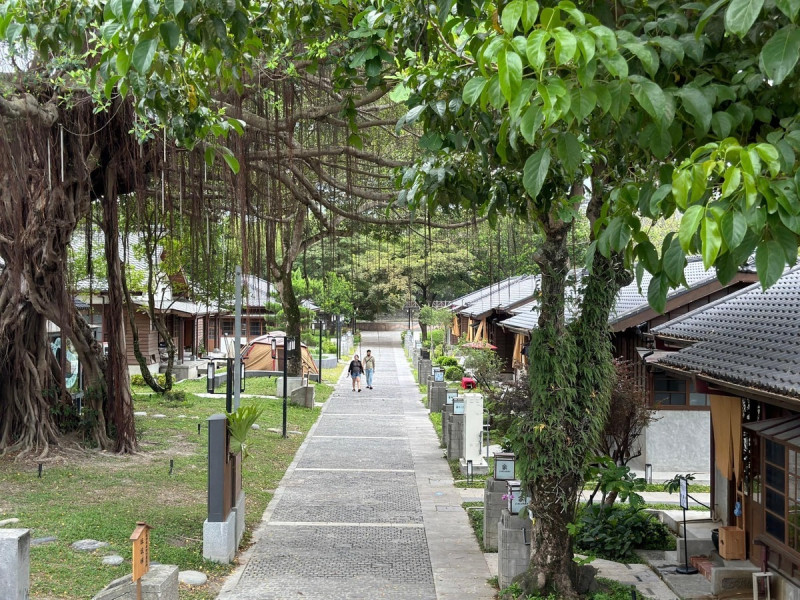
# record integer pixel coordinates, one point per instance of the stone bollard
(513, 547)
(159, 583)
(219, 529)
(447, 413)
(303, 396)
(292, 383)
(455, 437)
(493, 505)
(15, 546)
(437, 395)
(423, 370)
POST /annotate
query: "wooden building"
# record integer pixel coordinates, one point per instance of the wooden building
(743, 353)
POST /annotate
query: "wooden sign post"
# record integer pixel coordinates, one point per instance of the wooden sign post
(141, 554)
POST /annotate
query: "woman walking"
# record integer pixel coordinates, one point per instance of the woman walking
(355, 369)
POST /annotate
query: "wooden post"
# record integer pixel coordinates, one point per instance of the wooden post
(141, 554)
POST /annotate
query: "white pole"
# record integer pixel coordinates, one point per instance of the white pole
(237, 340)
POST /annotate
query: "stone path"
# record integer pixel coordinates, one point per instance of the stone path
(368, 508)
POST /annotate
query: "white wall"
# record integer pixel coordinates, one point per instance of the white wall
(677, 441)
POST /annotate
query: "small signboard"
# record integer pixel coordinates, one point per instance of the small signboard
(684, 493)
(451, 396)
(458, 407)
(438, 375)
(141, 550)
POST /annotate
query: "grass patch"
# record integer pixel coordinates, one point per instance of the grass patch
(436, 419)
(478, 481)
(89, 494)
(475, 514)
(609, 590)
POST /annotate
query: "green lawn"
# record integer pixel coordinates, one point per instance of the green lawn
(90, 494)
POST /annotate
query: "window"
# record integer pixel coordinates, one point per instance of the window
(781, 493)
(255, 328)
(227, 327)
(212, 330)
(673, 391)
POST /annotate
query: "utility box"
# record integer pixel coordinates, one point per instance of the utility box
(732, 543)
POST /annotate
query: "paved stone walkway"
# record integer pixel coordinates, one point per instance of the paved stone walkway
(367, 509)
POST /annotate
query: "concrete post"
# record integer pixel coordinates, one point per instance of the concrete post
(447, 413)
(493, 505)
(473, 427)
(219, 530)
(513, 547)
(15, 545)
(455, 439)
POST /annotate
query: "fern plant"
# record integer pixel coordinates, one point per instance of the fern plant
(240, 422)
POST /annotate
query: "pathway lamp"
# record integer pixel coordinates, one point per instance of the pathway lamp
(504, 466)
(210, 374)
(648, 473)
(514, 496)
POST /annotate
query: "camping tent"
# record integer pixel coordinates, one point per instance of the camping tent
(257, 355)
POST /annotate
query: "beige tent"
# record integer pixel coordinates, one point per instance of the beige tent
(257, 355)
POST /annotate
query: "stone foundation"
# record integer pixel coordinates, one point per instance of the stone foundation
(513, 552)
(159, 583)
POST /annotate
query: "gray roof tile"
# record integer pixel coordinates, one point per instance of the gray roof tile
(750, 338)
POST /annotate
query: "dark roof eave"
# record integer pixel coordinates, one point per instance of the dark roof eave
(645, 313)
(790, 402)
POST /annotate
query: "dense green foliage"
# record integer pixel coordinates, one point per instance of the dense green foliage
(614, 532)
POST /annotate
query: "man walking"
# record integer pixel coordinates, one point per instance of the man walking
(369, 368)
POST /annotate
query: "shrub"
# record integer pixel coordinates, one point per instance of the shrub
(403, 337)
(437, 336)
(137, 380)
(426, 343)
(453, 373)
(329, 347)
(447, 361)
(175, 396)
(613, 532)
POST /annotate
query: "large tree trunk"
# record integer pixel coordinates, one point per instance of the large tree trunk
(26, 419)
(120, 400)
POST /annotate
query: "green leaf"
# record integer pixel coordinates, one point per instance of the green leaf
(566, 45)
(770, 260)
(170, 34)
(658, 196)
(711, 240)
(509, 68)
(232, 161)
(511, 15)
(681, 184)
(174, 6)
(473, 89)
(657, 292)
(646, 55)
(529, 13)
(674, 260)
(722, 124)
(535, 171)
(431, 140)
(531, 122)
(697, 105)
(787, 239)
(689, 223)
(648, 256)
(789, 7)
(123, 63)
(706, 16)
(741, 15)
(143, 55)
(779, 55)
(734, 227)
(569, 152)
(651, 98)
(583, 103)
(733, 177)
(536, 48)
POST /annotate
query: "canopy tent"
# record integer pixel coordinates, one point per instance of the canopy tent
(257, 355)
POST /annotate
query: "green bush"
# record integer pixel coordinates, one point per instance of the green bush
(453, 373)
(329, 347)
(437, 336)
(403, 337)
(447, 361)
(426, 343)
(137, 380)
(614, 532)
(175, 396)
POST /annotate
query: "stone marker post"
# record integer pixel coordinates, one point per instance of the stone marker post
(219, 529)
(513, 545)
(473, 428)
(15, 547)
(493, 505)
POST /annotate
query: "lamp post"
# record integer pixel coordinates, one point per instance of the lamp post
(289, 344)
(320, 349)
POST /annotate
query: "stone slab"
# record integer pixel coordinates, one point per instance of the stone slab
(219, 539)
(15, 563)
(159, 583)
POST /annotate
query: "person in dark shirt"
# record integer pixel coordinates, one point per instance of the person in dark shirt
(354, 370)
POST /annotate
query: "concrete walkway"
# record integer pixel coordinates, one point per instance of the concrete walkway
(368, 508)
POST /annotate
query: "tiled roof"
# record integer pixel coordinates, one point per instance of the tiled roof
(521, 290)
(750, 338)
(496, 288)
(629, 300)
